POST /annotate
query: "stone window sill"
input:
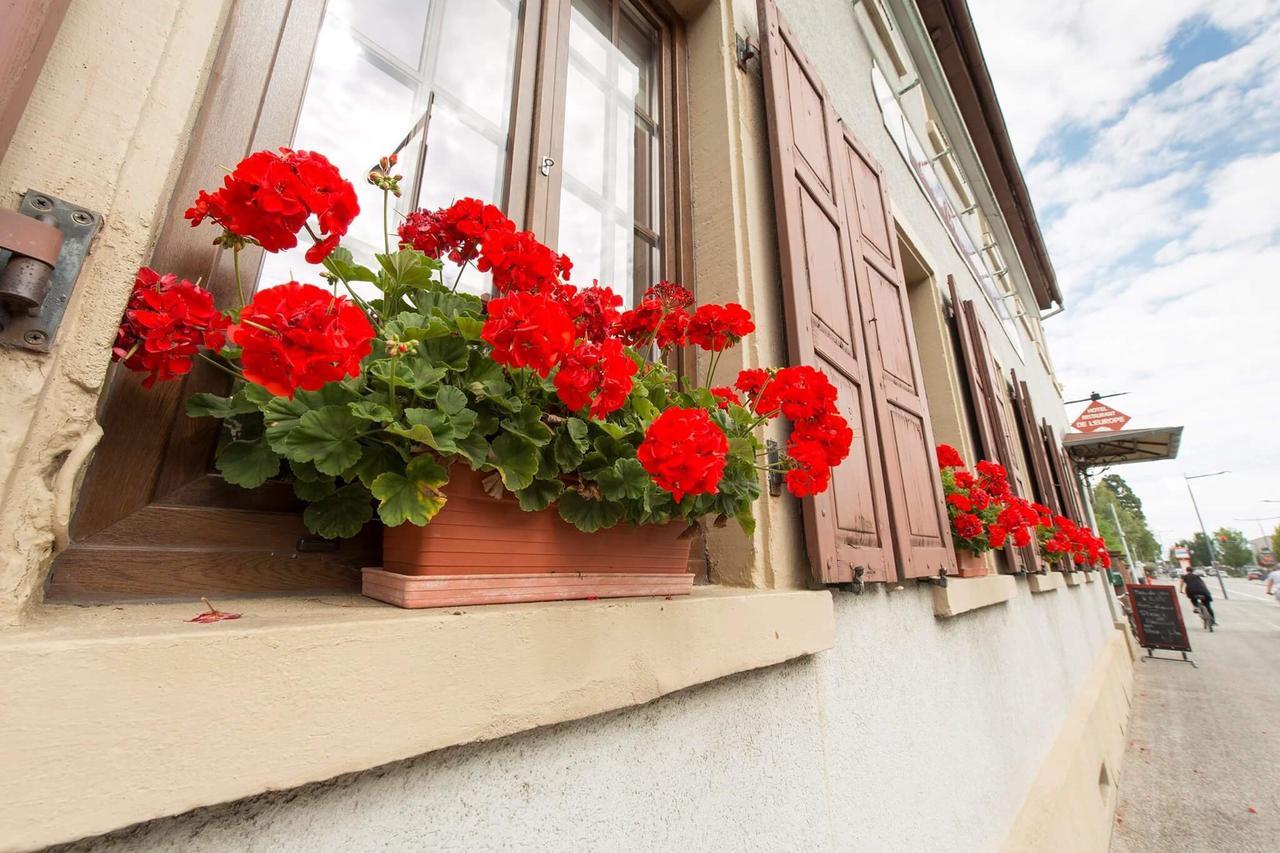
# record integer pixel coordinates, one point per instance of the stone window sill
(1073, 578)
(961, 595)
(1045, 583)
(115, 715)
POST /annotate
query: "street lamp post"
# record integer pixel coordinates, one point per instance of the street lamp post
(1207, 538)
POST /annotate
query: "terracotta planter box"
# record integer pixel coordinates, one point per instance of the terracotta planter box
(970, 565)
(481, 550)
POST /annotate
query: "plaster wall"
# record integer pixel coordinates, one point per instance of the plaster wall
(913, 733)
(105, 128)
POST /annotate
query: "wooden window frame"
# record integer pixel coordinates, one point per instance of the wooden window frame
(152, 519)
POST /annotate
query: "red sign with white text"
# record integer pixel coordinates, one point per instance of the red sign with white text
(1098, 417)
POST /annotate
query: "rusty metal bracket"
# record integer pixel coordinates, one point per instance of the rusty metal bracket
(745, 50)
(940, 580)
(775, 476)
(25, 321)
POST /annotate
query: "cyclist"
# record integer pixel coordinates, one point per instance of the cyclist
(1194, 587)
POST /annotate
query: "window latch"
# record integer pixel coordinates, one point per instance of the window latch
(43, 245)
(544, 168)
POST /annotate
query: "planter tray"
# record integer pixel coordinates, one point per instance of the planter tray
(414, 591)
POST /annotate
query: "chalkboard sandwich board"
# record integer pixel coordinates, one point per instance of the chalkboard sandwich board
(1158, 617)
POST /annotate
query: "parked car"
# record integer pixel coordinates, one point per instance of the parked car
(1256, 574)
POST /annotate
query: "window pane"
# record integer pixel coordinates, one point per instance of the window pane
(376, 68)
(609, 150)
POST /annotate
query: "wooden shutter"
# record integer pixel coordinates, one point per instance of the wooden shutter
(917, 512)
(973, 370)
(848, 526)
(1067, 493)
(985, 388)
(27, 30)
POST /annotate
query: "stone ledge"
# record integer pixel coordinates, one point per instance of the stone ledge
(961, 595)
(1045, 583)
(1073, 578)
(115, 715)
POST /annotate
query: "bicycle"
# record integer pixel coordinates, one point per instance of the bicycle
(1205, 616)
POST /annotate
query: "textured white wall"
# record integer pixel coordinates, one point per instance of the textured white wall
(912, 734)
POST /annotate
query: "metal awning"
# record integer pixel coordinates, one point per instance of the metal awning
(1120, 447)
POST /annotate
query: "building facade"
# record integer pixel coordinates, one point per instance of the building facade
(839, 168)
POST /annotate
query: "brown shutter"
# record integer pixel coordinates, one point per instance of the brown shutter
(973, 371)
(921, 530)
(1034, 446)
(1067, 492)
(848, 526)
(27, 29)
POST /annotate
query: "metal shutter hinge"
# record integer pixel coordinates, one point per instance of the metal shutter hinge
(940, 580)
(855, 586)
(43, 245)
(746, 50)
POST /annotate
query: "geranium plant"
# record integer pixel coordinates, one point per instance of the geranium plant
(986, 515)
(367, 402)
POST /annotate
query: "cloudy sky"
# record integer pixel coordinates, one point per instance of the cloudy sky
(1149, 133)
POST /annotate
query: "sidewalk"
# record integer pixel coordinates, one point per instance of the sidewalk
(1202, 770)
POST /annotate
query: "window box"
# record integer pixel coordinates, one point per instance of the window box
(482, 550)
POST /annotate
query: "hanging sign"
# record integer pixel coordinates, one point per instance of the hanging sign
(1098, 417)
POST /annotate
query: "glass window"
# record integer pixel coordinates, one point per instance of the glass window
(385, 72)
(609, 221)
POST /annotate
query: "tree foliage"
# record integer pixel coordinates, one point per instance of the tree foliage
(1199, 548)
(1142, 542)
(1233, 547)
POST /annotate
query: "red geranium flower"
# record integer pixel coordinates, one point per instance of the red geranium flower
(300, 336)
(602, 370)
(1022, 537)
(800, 393)
(752, 381)
(268, 197)
(672, 331)
(960, 502)
(996, 535)
(684, 452)
(964, 479)
(811, 475)
(527, 330)
(715, 327)
(949, 457)
(519, 262)
(968, 525)
(594, 310)
(830, 432)
(670, 295)
(637, 326)
(455, 231)
(724, 396)
(165, 324)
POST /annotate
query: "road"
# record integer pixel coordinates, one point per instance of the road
(1202, 769)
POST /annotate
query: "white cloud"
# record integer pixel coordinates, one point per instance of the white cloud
(1191, 328)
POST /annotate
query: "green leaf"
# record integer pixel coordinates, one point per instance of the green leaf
(470, 327)
(613, 430)
(213, 406)
(474, 448)
(576, 428)
(449, 305)
(626, 479)
(342, 261)
(409, 268)
(431, 427)
(414, 496)
(747, 521)
(516, 459)
(314, 490)
(247, 463)
(377, 459)
(368, 410)
(327, 437)
(446, 352)
(588, 515)
(256, 394)
(341, 514)
(539, 495)
(306, 472)
(281, 414)
(451, 400)
(567, 452)
(463, 423)
(644, 409)
(527, 423)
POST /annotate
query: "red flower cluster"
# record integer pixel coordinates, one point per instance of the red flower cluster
(684, 452)
(595, 311)
(716, 327)
(470, 230)
(165, 324)
(528, 330)
(820, 437)
(268, 198)
(598, 374)
(985, 513)
(299, 336)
